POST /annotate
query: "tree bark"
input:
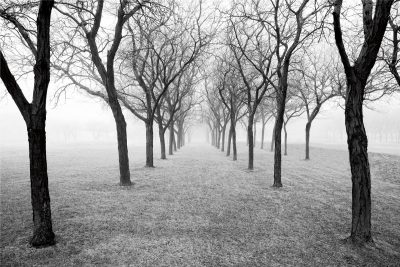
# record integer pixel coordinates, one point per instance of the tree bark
(161, 133)
(120, 123)
(250, 140)
(360, 172)
(308, 128)
(278, 143)
(234, 143)
(149, 144)
(42, 226)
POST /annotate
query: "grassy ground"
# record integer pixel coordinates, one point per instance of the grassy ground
(199, 208)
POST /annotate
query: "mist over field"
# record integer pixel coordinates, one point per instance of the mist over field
(81, 119)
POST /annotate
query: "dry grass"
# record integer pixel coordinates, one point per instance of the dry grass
(199, 208)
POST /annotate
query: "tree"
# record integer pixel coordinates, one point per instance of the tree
(253, 53)
(266, 113)
(34, 113)
(171, 103)
(289, 25)
(84, 20)
(357, 74)
(393, 61)
(319, 83)
(230, 89)
(294, 108)
(162, 49)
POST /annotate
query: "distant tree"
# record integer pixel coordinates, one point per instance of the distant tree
(374, 26)
(34, 113)
(253, 52)
(319, 82)
(231, 93)
(293, 108)
(162, 49)
(266, 113)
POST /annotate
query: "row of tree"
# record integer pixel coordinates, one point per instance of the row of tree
(149, 57)
(144, 58)
(276, 60)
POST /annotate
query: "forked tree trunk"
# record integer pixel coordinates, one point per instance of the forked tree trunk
(42, 226)
(250, 140)
(308, 127)
(149, 144)
(360, 172)
(228, 149)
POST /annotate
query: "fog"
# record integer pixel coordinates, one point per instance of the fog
(81, 119)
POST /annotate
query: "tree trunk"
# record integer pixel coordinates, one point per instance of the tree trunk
(284, 129)
(179, 136)
(174, 140)
(125, 177)
(262, 135)
(278, 142)
(273, 137)
(250, 142)
(171, 139)
(360, 172)
(234, 143)
(228, 149)
(149, 144)
(223, 138)
(42, 226)
(162, 140)
(219, 139)
(255, 134)
(308, 127)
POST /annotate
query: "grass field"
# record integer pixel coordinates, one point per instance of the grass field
(199, 208)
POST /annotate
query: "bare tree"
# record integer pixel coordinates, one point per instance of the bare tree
(290, 25)
(34, 113)
(320, 82)
(252, 49)
(231, 93)
(84, 18)
(162, 49)
(266, 113)
(374, 26)
(294, 108)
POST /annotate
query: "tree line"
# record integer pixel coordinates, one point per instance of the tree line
(169, 62)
